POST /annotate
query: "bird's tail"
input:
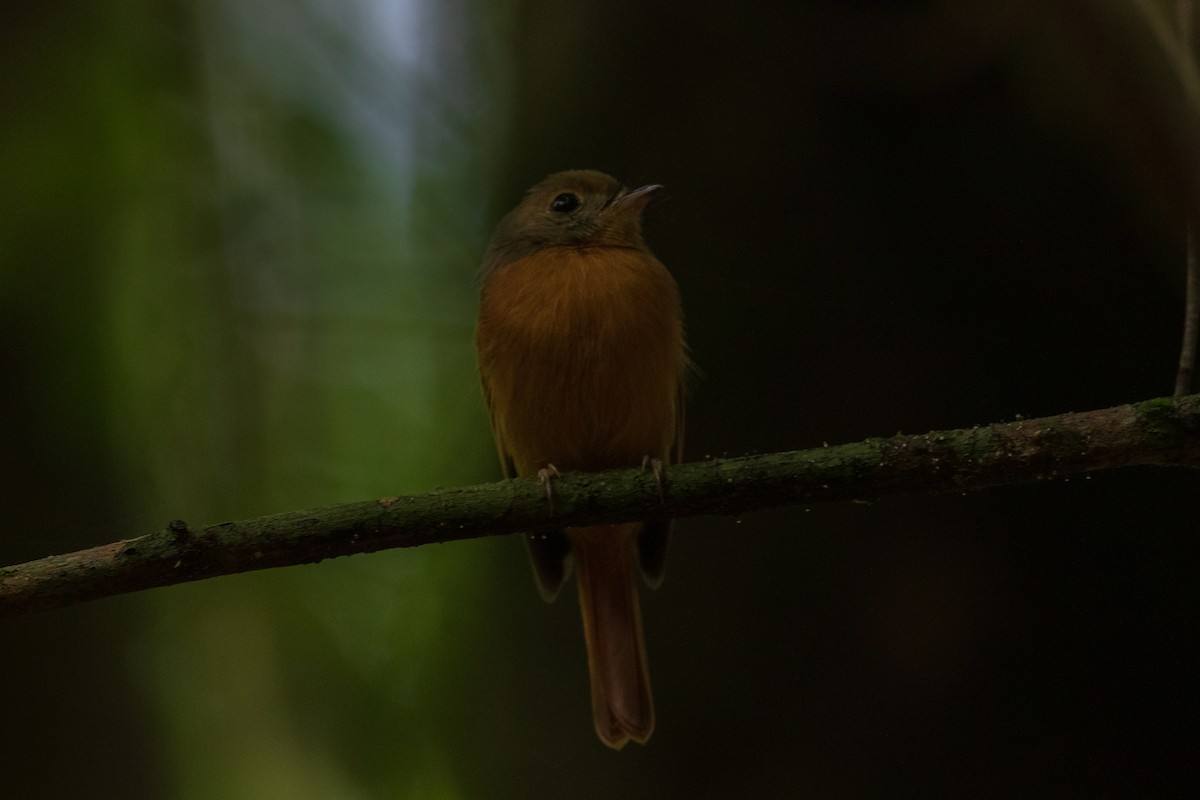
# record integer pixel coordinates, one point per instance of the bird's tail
(612, 626)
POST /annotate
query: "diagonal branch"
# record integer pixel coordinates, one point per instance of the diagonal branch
(1163, 432)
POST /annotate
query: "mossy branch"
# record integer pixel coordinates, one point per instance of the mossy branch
(1163, 432)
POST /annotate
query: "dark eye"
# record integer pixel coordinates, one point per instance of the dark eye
(565, 203)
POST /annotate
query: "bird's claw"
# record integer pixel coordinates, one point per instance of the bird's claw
(546, 477)
(656, 467)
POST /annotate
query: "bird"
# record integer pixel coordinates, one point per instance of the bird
(583, 365)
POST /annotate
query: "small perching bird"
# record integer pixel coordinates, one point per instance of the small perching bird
(583, 364)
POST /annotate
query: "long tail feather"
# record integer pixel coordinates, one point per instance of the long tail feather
(612, 626)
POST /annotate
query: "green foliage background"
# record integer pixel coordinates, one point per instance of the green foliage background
(237, 256)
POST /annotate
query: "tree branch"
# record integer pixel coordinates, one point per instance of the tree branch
(1163, 432)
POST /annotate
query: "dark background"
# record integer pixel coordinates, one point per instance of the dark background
(236, 277)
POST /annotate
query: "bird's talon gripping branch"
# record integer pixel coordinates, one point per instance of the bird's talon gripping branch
(656, 466)
(546, 477)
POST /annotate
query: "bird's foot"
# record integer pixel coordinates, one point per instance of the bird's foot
(546, 477)
(656, 466)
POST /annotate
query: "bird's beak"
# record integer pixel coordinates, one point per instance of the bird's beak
(638, 199)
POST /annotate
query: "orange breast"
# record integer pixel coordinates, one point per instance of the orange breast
(582, 357)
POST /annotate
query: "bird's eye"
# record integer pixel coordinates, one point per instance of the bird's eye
(565, 203)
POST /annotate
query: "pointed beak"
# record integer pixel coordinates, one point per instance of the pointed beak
(637, 200)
